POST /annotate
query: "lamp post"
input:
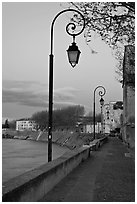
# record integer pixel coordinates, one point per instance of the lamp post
(73, 55)
(106, 106)
(101, 104)
(101, 93)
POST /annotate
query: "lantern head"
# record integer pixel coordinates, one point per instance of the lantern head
(101, 101)
(73, 54)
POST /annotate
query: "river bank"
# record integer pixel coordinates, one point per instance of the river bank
(21, 156)
(70, 139)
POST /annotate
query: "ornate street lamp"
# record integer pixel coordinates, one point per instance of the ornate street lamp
(73, 55)
(101, 101)
(106, 112)
(101, 93)
(101, 106)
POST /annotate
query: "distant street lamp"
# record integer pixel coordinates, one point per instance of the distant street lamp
(73, 56)
(106, 112)
(101, 106)
(101, 93)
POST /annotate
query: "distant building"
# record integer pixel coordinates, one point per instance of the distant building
(85, 125)
(25, 124)
(106, 118)
(112, 116)
(89, 128)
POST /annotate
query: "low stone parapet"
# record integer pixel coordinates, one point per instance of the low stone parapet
(95, 144)
(34, 184)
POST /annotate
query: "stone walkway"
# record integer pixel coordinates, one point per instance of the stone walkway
(107, 176)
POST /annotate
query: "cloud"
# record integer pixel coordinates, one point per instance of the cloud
(35, 94)
(64, 104)
(65, 93)
(24, 93)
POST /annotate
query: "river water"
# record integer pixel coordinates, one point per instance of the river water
(20, 156)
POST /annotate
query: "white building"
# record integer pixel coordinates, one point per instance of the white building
(111, 115)
(89, 128)
(25, 124)
(106, 118)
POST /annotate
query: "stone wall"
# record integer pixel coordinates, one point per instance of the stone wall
(33, 185)
(128, 126)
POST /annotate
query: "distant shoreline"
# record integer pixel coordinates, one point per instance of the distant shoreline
(66, 138)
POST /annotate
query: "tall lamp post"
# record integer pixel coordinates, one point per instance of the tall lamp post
(106, 106)
(73, 56)
(101, 104)
(101, 94)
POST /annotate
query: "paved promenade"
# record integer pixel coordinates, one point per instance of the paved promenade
(107, 176)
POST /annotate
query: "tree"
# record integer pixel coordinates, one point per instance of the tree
(67, 116)
(61, 117)
(114, 22)
(41, 118)
(6, 125)
(98, 117)
(12, 124)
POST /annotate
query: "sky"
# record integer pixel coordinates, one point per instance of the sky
(25, 62)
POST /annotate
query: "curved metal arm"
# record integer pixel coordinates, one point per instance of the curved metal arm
(72, 25)
(101, 93)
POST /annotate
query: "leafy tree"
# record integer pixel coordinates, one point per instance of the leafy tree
(61, 117)
(114, 22)
(67, 116)
(98, 117)
(12, 124)
(41, 118)
(6, 125)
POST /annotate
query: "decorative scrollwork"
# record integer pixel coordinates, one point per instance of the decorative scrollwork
(101, 92)
(70, 28)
